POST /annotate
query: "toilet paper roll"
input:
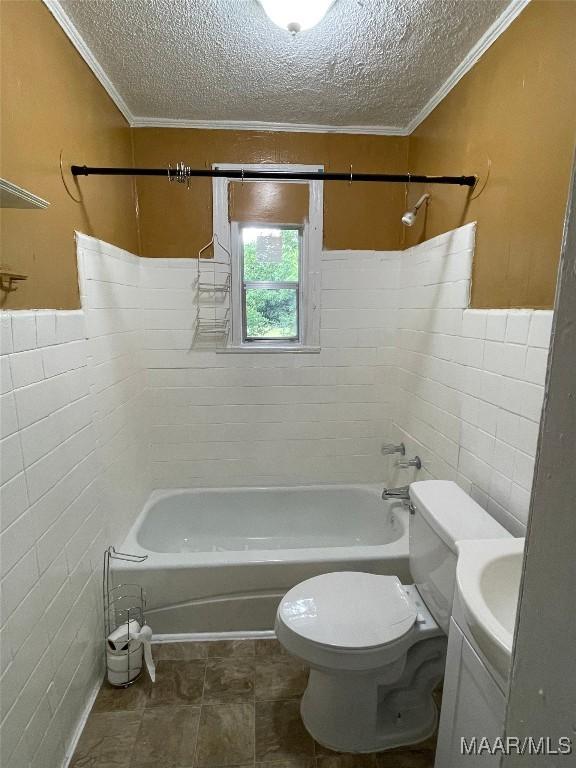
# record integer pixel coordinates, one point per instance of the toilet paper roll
(118, 639)
(124, 666)
(123, 642)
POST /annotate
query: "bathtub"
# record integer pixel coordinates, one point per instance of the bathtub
(220, 560)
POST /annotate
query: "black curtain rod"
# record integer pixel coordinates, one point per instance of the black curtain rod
(182, 173)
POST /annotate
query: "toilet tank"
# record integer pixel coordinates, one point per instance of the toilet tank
(442, 514)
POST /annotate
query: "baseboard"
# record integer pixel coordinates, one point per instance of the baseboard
(81, 723)
(195, 637)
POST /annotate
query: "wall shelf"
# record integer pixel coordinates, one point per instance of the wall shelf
(13, 196)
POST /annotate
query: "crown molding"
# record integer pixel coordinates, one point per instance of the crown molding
(256, 125)
(83, 49)
(493, 32)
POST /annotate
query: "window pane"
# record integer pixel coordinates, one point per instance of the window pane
(272, 313)
(270, 254)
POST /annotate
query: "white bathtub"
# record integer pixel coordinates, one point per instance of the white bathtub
(219, 560)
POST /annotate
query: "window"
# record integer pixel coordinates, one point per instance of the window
(275, 278)
(270, 266)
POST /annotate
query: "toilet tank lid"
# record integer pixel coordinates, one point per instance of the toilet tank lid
(452, 514)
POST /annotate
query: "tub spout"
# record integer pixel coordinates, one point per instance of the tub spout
(397, 493)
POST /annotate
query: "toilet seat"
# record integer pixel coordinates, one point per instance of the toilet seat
(348, 611)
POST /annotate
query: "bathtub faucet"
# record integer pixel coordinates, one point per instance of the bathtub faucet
(402, 493)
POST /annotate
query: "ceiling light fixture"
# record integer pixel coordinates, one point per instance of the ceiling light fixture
(296, 15)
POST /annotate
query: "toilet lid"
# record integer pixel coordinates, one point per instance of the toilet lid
(348, 610)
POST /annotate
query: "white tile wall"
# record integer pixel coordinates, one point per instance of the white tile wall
(111, 297)
(249, 419)
(470, 382)
(51, 535)
(74, 451)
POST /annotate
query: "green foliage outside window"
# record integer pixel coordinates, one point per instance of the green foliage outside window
(272, 313)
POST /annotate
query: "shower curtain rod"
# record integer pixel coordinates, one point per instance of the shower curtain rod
(183, 172)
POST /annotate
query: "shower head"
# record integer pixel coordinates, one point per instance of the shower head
(409, 218)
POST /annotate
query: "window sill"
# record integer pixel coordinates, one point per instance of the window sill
(246, 349)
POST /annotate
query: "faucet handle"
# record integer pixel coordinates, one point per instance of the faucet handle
(415, 462)
(388, 449)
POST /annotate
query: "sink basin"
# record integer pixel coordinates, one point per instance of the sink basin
(488, 575)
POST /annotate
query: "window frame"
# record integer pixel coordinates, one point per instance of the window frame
(228, 234)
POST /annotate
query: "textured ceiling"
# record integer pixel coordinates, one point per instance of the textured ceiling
(369, 62)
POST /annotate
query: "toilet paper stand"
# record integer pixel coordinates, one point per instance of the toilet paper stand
(124, 606)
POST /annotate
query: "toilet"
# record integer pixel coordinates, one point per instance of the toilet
(376, 648)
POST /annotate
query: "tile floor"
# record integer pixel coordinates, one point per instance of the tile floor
(216, 704)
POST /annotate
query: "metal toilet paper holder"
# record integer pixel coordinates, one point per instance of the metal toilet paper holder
(123, 604)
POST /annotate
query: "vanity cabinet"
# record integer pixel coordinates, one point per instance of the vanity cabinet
(473, 705)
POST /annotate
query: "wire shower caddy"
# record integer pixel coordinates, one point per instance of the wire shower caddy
(122, 604)
(213, 286)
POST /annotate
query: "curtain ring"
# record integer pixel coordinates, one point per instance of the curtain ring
(242, 176)
(350, 182)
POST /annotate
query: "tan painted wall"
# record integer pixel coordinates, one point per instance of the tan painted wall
(517, 106)
(178, 222)
(51, 101)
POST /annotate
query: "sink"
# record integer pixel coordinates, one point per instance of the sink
(488, 575)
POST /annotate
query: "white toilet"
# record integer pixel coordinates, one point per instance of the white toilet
(376, 648)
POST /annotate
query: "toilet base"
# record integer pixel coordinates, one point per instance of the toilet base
(379, 709)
